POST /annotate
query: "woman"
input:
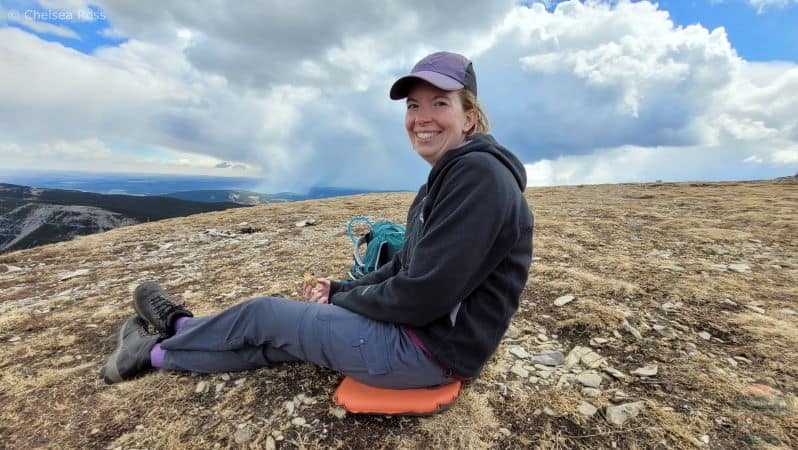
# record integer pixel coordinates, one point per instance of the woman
(435, 313)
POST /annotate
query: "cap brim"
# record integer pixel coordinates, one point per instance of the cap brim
(401, 87)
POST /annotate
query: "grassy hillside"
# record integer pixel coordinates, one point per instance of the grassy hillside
(684, 306)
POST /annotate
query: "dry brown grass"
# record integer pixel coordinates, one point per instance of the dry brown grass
(594, 242)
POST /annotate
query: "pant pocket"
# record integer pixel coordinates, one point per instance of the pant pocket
(372, 344)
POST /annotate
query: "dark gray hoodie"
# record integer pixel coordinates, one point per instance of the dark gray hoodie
(468, 247)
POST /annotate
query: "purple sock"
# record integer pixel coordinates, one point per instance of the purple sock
(179, 322)
(157, 355)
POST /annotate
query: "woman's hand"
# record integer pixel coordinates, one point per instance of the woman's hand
(318, 294)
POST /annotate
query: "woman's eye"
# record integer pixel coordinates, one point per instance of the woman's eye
(411, 106)
(441, 103)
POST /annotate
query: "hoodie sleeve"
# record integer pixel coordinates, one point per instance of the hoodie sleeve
(387, 270)
(455, 254)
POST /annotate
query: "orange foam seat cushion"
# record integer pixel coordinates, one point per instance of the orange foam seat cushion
(357, 397)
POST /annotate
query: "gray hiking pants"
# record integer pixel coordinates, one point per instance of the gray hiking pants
(269, 330)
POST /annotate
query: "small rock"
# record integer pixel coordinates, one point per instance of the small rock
(10, 268)
(574, 356)
(305, 223)
(95, 430)
(705, 439)
(549, 358)
(668, 306)
(564, 300)
(240, 381)
(139, 427)
(739, 268)
(646, 371)
(338, 412)
(598, 342)
(219, 387)
(202, 386)
(518, 352)
(718, 250)
(512, 333)
(704, 335)
(743, 359)
(731, 362)
(729, 302)
(665, 332)
(619, 396)
(542, 337)
(619, 415)
(519, 371)
(298, 422)
(70, 275)
(788, 311)
(15, 339)
(586, 409)
(270, 444)
(289, 407)
(755, 309)
(505, 432)
(592, 360)
(591, 392)
(549, 412)
(545, 374)
(242, 436)
(631, 330)
(225, 377)
(615, 373)
(589, 379)
(673, 268)
(720, 267)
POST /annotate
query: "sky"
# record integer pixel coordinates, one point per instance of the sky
(296, 93)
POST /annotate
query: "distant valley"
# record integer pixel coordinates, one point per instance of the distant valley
(30, 217)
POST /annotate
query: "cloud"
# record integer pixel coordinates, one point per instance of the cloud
(762, 5)
(31, 22)
(582, 92)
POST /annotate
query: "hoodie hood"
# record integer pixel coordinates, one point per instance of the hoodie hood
(487, 144)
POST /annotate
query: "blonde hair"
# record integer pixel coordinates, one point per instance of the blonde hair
(469, 101)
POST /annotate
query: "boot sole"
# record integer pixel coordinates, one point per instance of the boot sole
(110, 372)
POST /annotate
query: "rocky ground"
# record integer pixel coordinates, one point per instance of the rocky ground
(655, 316)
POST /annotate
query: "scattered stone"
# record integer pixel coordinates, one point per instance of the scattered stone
(739, 268)
(545, 374)
(549, 358)
(305, 223)
(619, 415)
(755, 309)
(690, 347)
(729, 302)
(219, 387)
(338, 412)
(564, 300)
(705, 439)
(574, 356)
(598, 342)
(591, 392)
(631, 330)
(788, 311)
(240, 381)
(731, 362)
(10, 268)
(617, 334)
(718, 250)
(95, 430)
(139, 427)
(720, 267)
(646, 371)
(593, 360)
(619, 396)
(202, 386)
(704, 335)
(15, 339)
(519, 371)
(743, 359)
(589, 379)
(270, 444)
(512, 333)
(298, 422)
(668, 306)
(673, 268)
(660, 253)
(289, 407)
(549, 412)
(615, 373)
(586, 409)
(70, 275)
(565, 381)
(242, 436)
(542, 337)
(518, 352)
(225, 377)
(665, 332)
(505, 432)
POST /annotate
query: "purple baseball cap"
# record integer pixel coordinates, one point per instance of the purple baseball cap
(444, 70)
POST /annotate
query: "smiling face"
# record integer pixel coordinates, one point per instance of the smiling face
(435, 121)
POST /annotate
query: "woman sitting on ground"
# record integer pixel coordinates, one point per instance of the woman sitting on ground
(435, 313)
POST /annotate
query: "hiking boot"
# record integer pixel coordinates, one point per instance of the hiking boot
(156, 308)
(132, 353)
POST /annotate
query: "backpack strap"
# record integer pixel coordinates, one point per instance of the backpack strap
(358, 269)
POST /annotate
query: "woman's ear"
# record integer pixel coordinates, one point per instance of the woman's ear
(470, 122)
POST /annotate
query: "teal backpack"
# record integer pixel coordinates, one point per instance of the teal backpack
(385, 240)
